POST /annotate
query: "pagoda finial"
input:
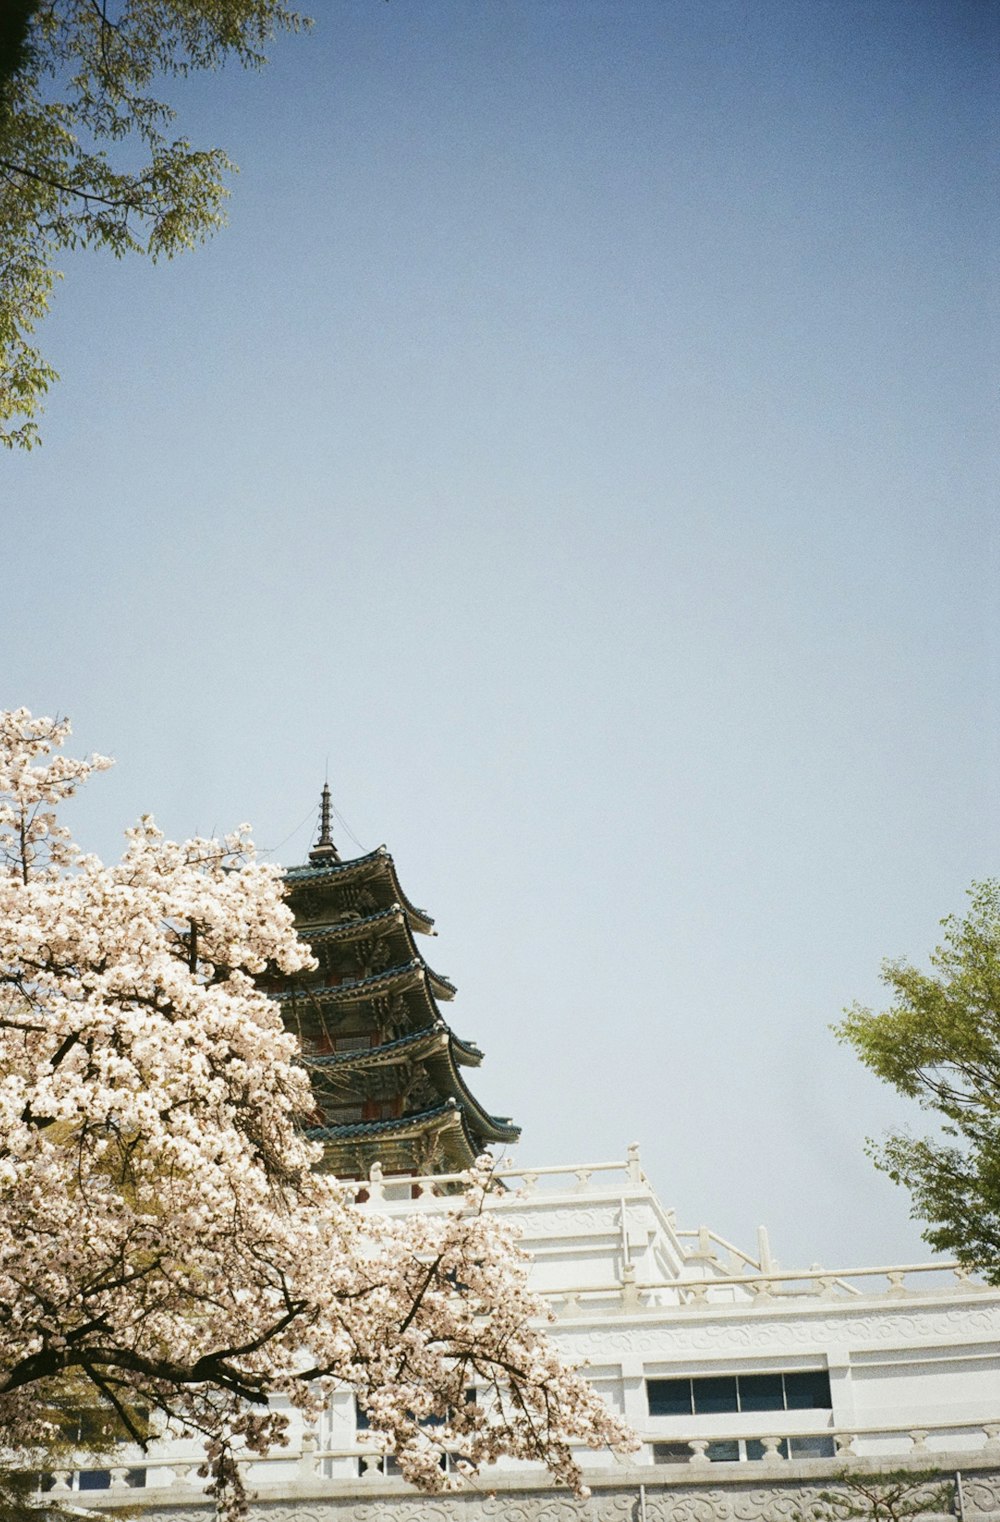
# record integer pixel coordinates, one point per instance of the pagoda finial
(324, 849)
(324, 817)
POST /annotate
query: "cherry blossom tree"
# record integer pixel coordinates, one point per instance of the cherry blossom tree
(169, 1252)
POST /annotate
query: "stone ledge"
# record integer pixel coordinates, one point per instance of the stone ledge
(649, 1493)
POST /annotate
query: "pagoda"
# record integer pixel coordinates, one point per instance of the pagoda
(386, 1068)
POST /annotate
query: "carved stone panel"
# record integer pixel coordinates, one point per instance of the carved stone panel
(663, 1499)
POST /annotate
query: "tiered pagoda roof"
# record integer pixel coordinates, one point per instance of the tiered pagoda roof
(385, 1065)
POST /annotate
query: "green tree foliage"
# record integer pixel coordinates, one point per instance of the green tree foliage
(83, 1433)
(894, 1495)
(939, 1043)
(88, 155)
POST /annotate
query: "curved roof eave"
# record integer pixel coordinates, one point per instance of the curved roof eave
(429, 1038)
(392, 980)
(492, 1127)
(358, 866)
(423, 1120)
(466, 1052)
(440, 1119)
(349, 929)
(439, 987)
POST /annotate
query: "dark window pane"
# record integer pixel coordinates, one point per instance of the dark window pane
(812, 1447)
(360, 1417)
(715, 1394)
(671, 1453)
(95, 1479)
(669, 1397)
(136, 1478)
(761, 1392)
(723, 1453)
(755, 1448)
(808, 1392)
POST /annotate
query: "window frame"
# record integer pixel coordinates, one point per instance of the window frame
(821, 1377)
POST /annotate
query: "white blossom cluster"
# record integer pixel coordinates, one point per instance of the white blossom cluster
(168, 1250)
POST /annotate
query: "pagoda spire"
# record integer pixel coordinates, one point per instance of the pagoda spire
(324, 850)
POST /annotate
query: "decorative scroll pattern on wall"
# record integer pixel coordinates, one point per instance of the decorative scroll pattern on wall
(864, 1329)
(615, 1503)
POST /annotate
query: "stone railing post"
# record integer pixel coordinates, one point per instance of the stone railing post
(307, 1455)
(630, 1295)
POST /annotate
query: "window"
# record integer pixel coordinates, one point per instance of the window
(762, 1392)
(807, 1392)
(714, 1395)
(819, 1447)
(710, 1393)
(750, 1449)
(669, 1397)
(723, 1453)
(671, 1453)
(94, 1479)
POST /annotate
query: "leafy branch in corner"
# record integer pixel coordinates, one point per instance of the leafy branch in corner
(87, 153)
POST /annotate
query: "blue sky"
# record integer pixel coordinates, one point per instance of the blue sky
(579, 439)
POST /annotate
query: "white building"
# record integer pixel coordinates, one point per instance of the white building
(752, 1387)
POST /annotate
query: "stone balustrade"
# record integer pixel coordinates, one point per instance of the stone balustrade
(516, 1184)
(758, 1281)
(899, 1441)
(361, 1466)
(890, 1282)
